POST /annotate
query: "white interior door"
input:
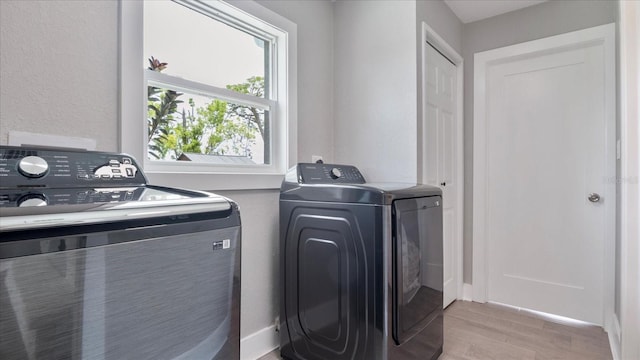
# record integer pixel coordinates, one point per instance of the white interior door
(441, 147)
(545, 179)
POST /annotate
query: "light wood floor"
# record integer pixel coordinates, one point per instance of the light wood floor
(475, 331)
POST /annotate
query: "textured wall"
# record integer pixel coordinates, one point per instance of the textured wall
(260, 257)
(315, 73)
(58, 69)
(442, 20)
(375, 88)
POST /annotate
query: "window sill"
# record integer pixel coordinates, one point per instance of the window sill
(215, 182)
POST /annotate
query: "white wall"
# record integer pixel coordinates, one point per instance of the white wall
(375, 88)
(58, 75)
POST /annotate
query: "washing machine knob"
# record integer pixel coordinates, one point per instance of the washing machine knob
(33, 166)
(30, 200)
(335, 173)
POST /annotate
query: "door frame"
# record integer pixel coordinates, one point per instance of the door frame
(624, 343)
(604, 34)
(430, 35)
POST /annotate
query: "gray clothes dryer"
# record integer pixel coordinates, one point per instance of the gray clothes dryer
(361, 267)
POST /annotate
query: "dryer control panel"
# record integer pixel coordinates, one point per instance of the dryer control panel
(310, 173)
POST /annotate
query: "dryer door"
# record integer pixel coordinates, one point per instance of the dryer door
(417, 257)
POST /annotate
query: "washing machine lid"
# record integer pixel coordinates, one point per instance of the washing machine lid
(45, 187)
(345, 184)
(80, 206)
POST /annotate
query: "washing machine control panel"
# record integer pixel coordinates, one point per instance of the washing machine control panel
(33, 167)
(309, 173)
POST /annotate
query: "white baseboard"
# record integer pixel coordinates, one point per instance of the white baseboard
(467, 292)
(614, 337)
(259, 343)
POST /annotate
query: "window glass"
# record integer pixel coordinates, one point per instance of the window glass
(186, 126)
(197, 59)
(197, 47)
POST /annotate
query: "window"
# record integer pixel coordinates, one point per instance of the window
(216, 109)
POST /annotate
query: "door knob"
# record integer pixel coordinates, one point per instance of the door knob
(594, 197)
(443, 184)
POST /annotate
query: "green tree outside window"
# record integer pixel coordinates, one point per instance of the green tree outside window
(218, 128)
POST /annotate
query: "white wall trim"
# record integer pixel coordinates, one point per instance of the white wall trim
(614, 337)
(604, 34)
(428, 34)
(467, 292)
(259, 343)
(629, 22)
(609, 34)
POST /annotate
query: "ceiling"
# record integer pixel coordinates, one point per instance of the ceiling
(473, 10)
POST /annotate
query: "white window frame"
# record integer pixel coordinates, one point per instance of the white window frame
(282, 106)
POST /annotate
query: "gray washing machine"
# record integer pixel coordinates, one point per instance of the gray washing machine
(361, 267)
(95, 263)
